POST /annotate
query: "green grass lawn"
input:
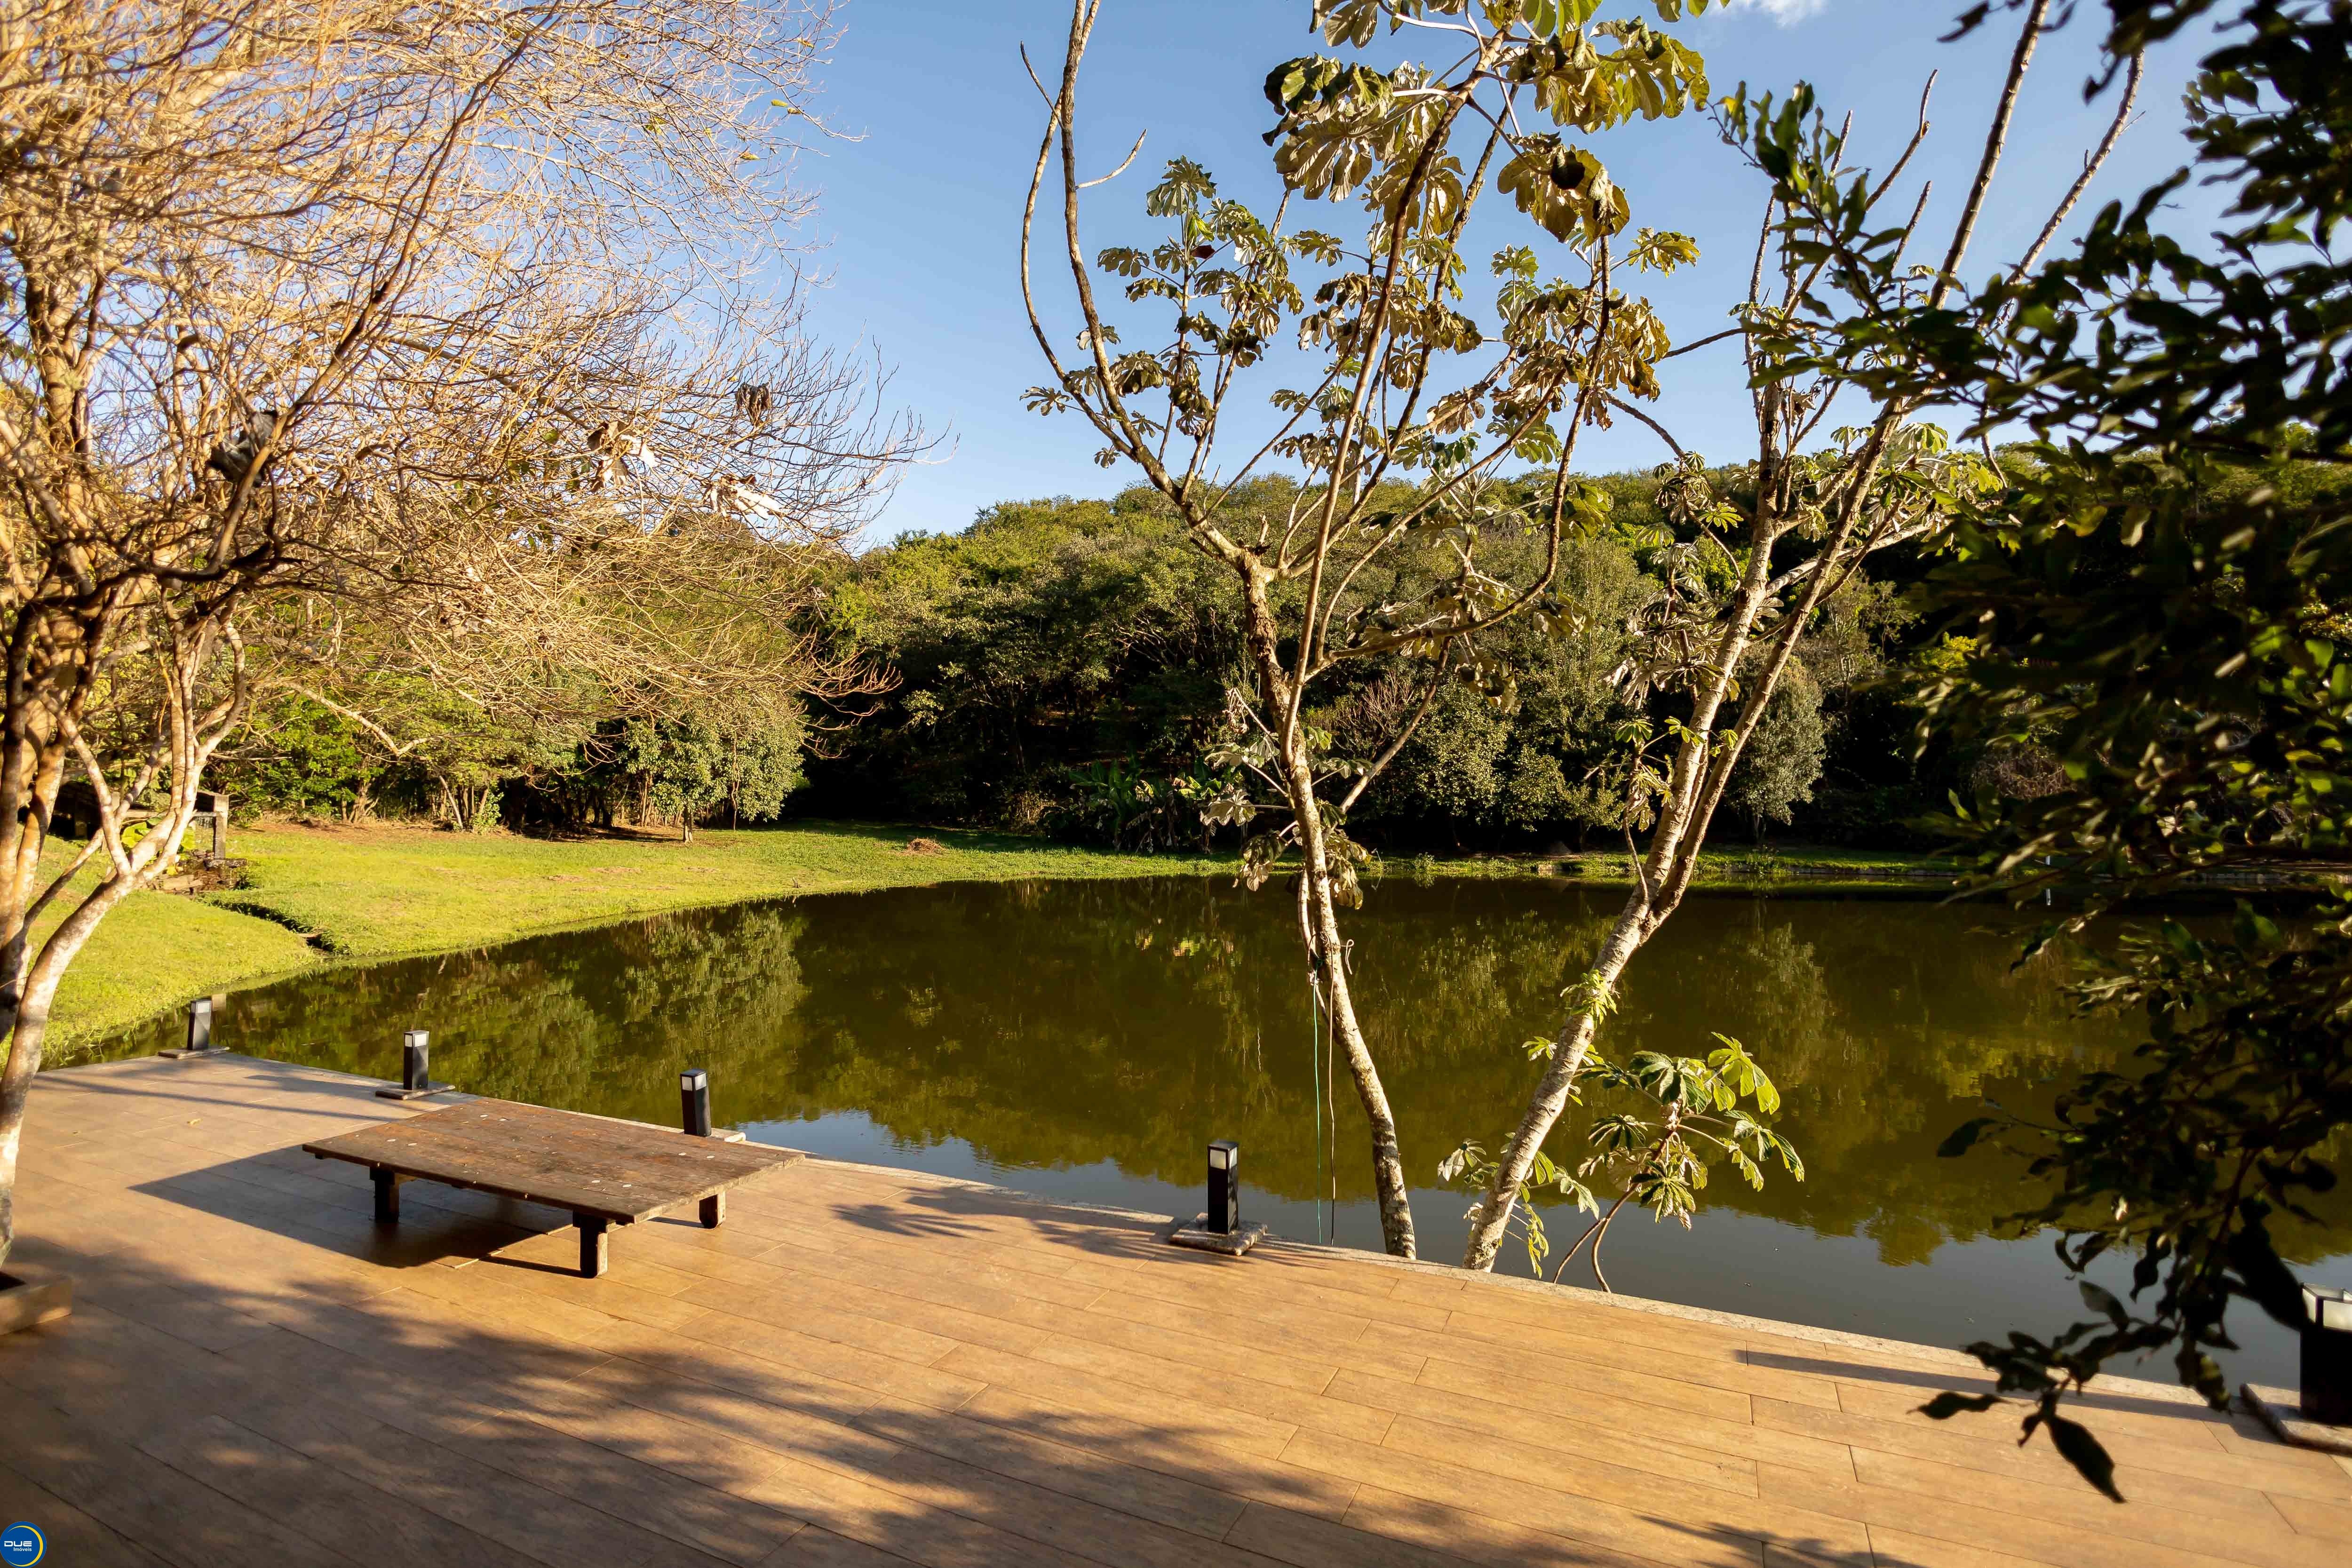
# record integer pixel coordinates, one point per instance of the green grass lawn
(317, 896)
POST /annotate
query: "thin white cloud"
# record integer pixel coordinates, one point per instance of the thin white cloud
(1788, 13)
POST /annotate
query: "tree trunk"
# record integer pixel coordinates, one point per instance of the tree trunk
(1697, 781)
(1387, 1152)
(1325, 945)
(1492, 1214)
(29, 1038)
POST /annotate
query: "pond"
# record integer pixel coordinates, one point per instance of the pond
(1084, 1040)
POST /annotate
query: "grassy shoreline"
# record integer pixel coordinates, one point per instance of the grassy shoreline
(321, 896)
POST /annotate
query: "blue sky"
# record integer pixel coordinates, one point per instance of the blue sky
(918, 224)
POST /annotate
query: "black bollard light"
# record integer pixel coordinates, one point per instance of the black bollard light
(416, 1068)
(2327, 1355)
(694, 1115)
(1221, 1229)
(1224, 1187)
(200, 1031)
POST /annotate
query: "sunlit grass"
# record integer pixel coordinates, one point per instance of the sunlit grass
(314, 895)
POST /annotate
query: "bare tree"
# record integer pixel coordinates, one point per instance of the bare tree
(443, 310)
(1816, 515)
(1410, 409)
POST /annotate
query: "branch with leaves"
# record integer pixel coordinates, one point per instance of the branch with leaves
(1395, 436)
(1659, 1160)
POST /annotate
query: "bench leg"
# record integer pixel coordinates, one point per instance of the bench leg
(714, 1209)
(592, 1254)
(387, 1195)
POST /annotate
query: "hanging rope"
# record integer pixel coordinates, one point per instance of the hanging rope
(1315, 1036)
(1332, 1099)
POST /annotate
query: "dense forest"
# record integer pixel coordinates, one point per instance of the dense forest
(1062, 667)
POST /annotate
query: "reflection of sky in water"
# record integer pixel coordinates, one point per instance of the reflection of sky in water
(1084, 1040)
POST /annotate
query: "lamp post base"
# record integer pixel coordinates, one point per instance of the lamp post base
(1232, 1244)
(2281, 1410)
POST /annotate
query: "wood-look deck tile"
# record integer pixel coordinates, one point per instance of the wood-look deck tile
(1184, 1454)
(321, 1504)
(540, 1524)
(1622, 1471)
(2264, 1539)
(977, 1315)
(1179, 1504)
(2215, 1483)
(1896, 1548)
(143, 1499)
(1687, 1366)
(1580, 1500)
(1601, 1319)
(818, 1548)
(1899, 1401)
(986, 1288)
(72, 1536)
(919, 1531)
(2312, 1516)
(1221, 1425)
(550, 1270)
(835, 1360)
(1308, 1542)
(1489, 1401)
(2250, 1439)
(1507, 1525)
(1055, 1514)
(1197, 1349)
(600, 1473)
(810, 1316)
(1958, 1516)
(1410, 1354)
(1235, 1285)
(830, 1248)
(1309, 1339)
(1615, 1431)
(1285, 1270)
(865, 1368)
(1233, 1390)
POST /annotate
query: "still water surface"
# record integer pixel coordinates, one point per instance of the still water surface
(1084, 1040)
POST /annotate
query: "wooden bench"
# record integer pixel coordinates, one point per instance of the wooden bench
(606, 1173)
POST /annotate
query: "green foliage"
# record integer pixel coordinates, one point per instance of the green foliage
(300, 759)
(1689, 1115)
(1059, 654)
(1783, 758)
(2157, 603)
(1049, 646)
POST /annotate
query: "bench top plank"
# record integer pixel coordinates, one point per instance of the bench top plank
(619, 1170)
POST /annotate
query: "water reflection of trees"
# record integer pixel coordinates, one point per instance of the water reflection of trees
(1126, 1022)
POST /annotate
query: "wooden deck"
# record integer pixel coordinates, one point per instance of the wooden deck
(868, 1367)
